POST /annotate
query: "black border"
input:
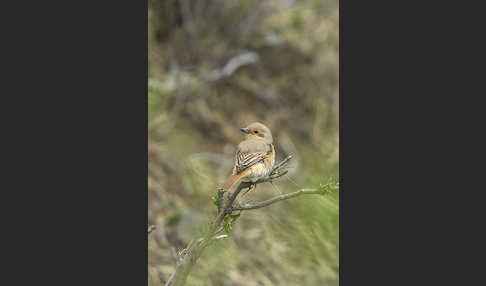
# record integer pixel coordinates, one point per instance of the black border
(75, 208)
(410, 128)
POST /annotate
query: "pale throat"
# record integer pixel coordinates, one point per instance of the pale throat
(254, 136)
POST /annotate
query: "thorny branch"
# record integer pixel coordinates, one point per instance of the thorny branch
(225, 205)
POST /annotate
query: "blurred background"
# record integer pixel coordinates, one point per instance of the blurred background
(216, 66)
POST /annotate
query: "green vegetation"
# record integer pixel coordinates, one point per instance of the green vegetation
(215, 66)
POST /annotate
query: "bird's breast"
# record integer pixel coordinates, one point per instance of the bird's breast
(258, 171)
(263, 168)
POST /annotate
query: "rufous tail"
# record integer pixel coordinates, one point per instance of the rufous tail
(233, 180)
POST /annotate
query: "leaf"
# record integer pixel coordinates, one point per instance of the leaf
(234, 216)
(227, 225)
(227, 229)
(215, 199)
(329, 187)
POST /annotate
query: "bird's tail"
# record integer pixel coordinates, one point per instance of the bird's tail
(233, 180)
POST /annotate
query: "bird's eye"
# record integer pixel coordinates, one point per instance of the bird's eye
(255, 131)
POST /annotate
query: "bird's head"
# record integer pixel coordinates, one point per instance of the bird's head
(258, 131)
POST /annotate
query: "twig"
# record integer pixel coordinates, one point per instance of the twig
(220, 200)
(279, 165)
(251, 206)
(221, 236)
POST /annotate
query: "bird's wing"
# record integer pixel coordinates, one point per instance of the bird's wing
(246, 160)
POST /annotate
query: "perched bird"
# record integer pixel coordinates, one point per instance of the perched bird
(255, 156)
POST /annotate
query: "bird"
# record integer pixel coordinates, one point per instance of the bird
(255, 156)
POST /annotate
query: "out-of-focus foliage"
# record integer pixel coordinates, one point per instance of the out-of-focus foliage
(216, 66)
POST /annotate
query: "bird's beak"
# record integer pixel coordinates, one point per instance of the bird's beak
(245, 130)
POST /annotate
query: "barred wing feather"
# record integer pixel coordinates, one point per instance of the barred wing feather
(246, 160)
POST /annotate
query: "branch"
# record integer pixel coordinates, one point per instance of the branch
(224, 203)
(251, 206)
